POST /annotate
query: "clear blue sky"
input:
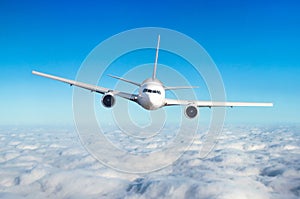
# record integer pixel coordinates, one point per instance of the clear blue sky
(255, 44)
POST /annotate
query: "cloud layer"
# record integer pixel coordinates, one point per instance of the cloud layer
(248, 162)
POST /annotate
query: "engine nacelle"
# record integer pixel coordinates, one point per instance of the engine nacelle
(191, 111)
(108, 100)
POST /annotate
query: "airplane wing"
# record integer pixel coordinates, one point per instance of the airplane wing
(90, 87)
(172, 102)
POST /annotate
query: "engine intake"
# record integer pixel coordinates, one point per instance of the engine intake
(108, 100)
(191, 111)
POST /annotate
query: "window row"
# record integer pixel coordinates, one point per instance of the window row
(151, 91)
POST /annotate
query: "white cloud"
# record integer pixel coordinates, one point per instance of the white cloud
(248, 162)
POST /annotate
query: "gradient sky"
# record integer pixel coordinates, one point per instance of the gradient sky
(255, 45)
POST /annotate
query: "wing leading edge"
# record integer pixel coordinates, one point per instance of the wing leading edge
(90, 87)
(173, 102)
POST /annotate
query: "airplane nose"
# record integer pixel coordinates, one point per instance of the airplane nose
(154, 102)
(151, 99)
(150, 102)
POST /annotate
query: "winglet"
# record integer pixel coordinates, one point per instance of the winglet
(156, 58)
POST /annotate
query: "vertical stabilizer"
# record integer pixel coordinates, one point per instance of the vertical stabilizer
(156, 58)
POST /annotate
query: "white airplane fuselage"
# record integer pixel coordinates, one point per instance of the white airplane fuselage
(151, 94)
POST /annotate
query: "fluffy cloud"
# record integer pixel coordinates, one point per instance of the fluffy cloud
(247, 162)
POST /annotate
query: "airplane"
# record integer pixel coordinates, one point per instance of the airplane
(151, 93)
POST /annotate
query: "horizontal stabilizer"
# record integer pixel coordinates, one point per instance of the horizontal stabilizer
(179, 87)
(125, 80)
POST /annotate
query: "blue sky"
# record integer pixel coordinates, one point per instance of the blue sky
(255, 45)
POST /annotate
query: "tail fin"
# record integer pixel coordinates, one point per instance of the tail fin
(156, 58)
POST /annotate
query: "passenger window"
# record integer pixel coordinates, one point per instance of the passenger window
(151, 91)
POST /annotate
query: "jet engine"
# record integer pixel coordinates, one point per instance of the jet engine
(108, 100)
(191, 111)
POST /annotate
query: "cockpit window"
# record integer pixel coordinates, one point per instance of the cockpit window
(151, 91)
